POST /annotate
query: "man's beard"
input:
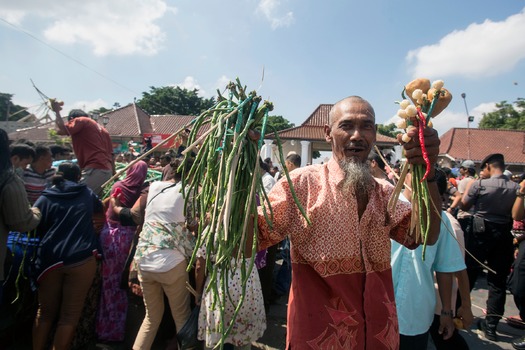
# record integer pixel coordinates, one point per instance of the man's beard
(357, 176)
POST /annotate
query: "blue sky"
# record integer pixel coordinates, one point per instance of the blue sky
(94, 53)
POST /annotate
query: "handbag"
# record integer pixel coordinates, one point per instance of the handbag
(187, 336)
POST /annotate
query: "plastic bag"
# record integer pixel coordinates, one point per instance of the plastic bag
(187, 336)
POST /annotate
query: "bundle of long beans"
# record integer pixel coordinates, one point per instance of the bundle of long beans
(428, 100)
(224, 186)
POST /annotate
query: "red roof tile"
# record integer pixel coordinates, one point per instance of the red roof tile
(128, 121)
(510, 143)
(169, 123)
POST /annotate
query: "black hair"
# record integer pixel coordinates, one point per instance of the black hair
(41, 151)
(264, 166)
(58, 150)
(295, 159)
(167, 157)
(497, 163)
(22, 150)
(66, 171)
(5, 160)
(176, 171)
(471, 171)
(375, 157)
(75, 113)
(441, 180)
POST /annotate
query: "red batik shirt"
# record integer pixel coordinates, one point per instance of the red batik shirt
(342, 295)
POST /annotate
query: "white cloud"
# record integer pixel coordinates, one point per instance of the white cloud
(269, 9)
(453, 119)
(117, 27)
(480, 50)
(191, 83)
(222, 82)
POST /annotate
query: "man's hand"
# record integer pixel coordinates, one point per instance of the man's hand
(413, 151)
(56, 106)
(446, 326)
(466, 316)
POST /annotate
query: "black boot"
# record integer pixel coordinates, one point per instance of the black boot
(488, 330)
(519, 343)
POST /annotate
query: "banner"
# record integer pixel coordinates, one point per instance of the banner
(158, 138)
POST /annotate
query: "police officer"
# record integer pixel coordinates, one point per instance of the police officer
(490, 239)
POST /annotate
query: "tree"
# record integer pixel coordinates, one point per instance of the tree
(59, 140)
(100, 110)
(506, 116)
(10, 111)
(279, 123)
(389, 130)
(174, 100)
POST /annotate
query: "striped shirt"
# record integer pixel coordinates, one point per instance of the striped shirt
(36, 183)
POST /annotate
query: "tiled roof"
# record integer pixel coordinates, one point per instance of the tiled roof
(128, 121)
(36, 134)
(510, 143)
(313, 128)
(169, 123)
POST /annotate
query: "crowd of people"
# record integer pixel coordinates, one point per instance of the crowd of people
(356, 277)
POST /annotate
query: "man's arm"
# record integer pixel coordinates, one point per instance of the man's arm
(60, 126)
(200, 277)
(465, 310)
(518, 211)
(446, 323)
(465, 203)
(455, 201)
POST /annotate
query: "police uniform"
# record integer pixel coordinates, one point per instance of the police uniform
(491, 242)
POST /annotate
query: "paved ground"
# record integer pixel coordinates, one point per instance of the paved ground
(274, 337)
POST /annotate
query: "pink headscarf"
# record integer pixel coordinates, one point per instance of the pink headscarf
(132, 185)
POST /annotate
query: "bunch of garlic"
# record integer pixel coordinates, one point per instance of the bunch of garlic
(421, 94)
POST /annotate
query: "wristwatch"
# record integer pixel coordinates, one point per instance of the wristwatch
(519, 193)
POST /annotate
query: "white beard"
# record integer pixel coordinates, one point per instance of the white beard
(357, 176)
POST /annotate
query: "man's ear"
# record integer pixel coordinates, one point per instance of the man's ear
(327, 133)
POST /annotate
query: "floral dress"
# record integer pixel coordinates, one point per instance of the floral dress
(250, 323)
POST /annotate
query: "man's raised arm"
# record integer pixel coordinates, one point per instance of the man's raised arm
(56, 106)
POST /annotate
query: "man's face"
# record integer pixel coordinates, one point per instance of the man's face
(21, 162)
(463, 171)
(43, 163)
(163, 161)
(352, 132)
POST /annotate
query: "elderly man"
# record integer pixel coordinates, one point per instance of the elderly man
(342, 295)
(91, 144)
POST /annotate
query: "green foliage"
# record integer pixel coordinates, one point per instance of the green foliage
(506, 116)
(174, 100)
(389, 130)
(100, 110)
(58, 139)
(7, 107)
(279, 122)
(316, 154)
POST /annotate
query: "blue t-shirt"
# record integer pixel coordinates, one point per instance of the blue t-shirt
(414, 278)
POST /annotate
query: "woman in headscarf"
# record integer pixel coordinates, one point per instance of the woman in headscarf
(116, 241)
(64, 263)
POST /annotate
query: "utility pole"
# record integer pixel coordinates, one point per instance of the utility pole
(464, 96)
